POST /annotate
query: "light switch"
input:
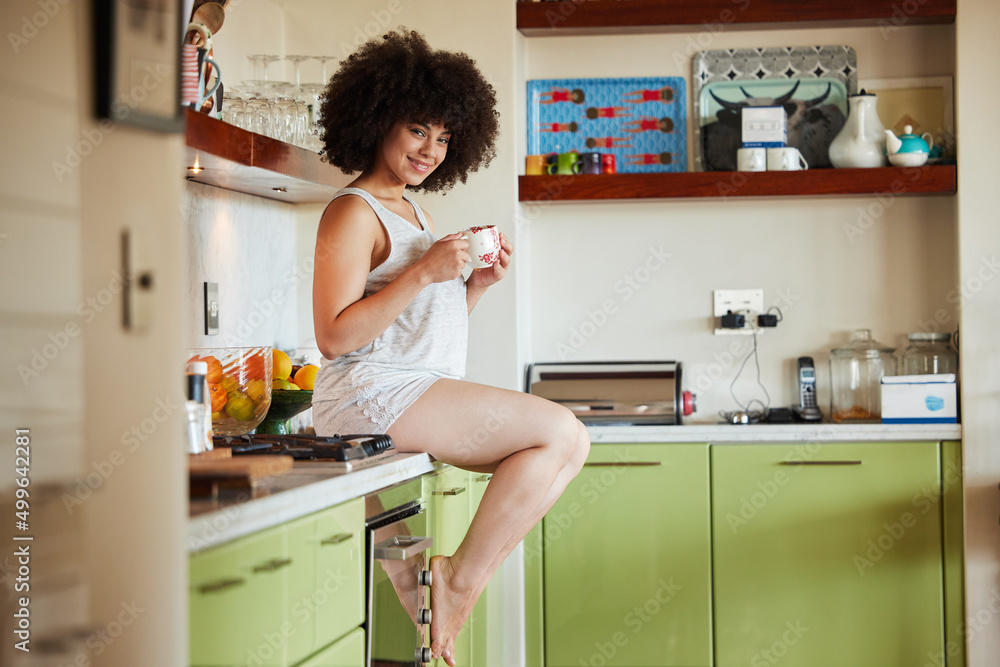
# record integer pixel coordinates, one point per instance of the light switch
(211, 308)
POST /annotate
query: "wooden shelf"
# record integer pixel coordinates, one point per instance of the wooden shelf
(234, 159)
(897, 181)
(569, 17)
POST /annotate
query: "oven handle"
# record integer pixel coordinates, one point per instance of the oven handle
(402, 547)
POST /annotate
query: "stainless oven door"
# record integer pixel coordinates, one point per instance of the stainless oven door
(398, 609)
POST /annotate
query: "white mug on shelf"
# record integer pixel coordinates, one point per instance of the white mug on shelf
(785, 158)
(751, 159)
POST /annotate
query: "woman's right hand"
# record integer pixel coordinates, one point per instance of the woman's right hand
(445, 260)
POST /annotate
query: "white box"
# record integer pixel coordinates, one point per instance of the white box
(763, 127)
(920, 399)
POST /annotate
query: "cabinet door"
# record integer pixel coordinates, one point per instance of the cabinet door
(302, 591)
(627, 560)
(347, 652)
(827, 555)
(479, 612)
(340, 571)
(449, 512)
(217, 600)
(267, 630)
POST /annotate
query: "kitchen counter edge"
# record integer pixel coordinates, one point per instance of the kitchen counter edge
(293, 495)
(722, 434)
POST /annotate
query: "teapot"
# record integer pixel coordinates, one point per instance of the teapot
(908, 149)
(861, 141)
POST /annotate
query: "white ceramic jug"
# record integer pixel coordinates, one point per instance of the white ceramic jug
(861, 142)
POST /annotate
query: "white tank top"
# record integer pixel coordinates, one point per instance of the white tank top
(431, 334)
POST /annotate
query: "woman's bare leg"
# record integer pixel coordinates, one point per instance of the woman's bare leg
(534, 448)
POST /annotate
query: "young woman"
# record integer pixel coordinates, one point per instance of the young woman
(391, 307)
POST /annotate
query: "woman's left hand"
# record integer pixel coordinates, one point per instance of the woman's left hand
(483, 278)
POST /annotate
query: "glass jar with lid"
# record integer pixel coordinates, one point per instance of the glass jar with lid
(856, 372)
(929, 354)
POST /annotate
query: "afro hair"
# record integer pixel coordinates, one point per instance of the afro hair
(399, 77)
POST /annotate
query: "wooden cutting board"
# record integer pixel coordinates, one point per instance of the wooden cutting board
(208, 475)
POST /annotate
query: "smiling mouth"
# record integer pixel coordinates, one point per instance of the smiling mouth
(419, 166)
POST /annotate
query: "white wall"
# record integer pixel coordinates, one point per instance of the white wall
(805, 253)
(979, 244)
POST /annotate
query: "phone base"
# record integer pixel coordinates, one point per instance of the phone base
(807, 414)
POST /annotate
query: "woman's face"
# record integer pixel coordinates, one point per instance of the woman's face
(412, 150)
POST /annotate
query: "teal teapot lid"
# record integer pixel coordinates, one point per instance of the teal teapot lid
(912, 143)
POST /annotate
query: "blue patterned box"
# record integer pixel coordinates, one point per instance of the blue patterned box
(639, 120)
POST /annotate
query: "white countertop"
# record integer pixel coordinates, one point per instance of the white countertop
(764, 433)
(303, 491)
(285, 497)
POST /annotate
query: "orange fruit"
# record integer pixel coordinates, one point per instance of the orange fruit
(305, 378)
(214, 373)
(219, 397)
(281, 365)
(257, 390)
(256, 366)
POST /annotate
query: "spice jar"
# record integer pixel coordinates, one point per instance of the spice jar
(856, 372)
(929, 354)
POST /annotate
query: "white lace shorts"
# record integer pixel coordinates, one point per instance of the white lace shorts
(366, 399)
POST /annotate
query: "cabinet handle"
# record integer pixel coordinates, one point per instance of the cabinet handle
(336, 539)
(272, 565)
(624, 464)
(821, 463)
(454, 491)
(484, 478)
(220, 585)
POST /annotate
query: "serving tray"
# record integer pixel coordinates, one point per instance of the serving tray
(640, 120)
(767, 74)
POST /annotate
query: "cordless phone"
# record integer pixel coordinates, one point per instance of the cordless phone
(807, 410)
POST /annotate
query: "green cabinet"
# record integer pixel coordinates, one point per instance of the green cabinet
(478, 620)
(449, 512)
(278, 596)
(346, 652)
(827, 554)
(626, 557)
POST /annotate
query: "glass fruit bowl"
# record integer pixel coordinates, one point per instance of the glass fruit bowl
(239, 384)
(285, 404)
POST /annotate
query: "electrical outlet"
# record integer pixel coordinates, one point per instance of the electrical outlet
(737, 300)
(211, 308)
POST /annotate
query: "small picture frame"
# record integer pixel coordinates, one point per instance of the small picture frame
(137, 47)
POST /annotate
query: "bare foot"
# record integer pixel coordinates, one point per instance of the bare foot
(451, 605)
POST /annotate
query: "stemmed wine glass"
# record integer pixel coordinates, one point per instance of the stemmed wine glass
(297, 60)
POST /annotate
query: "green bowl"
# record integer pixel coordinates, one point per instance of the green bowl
(285, 404)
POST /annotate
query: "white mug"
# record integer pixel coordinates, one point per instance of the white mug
(751, 159)
(785, 158)
(484, 245)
